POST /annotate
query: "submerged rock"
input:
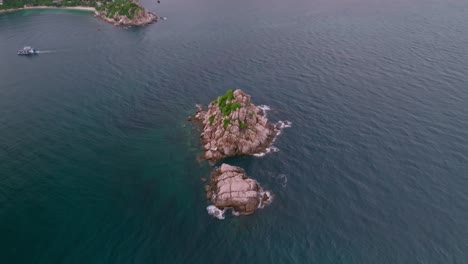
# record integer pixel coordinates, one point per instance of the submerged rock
(231, 188)
(232, 125)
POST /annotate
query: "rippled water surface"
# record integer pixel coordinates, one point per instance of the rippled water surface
(99, 165)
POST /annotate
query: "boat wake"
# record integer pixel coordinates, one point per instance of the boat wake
(44, 51)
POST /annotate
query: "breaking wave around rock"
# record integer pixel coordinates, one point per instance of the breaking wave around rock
(266, 198)
(215, 212)
(220, 214)
(234, 213)
(264, 109)
(267, 150)
(283, 124)
(279, 126)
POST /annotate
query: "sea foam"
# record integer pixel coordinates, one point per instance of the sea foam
(264, 109)
(218, 213)
(279, 126)
(269, 199)
(267, 150)
(215, 212)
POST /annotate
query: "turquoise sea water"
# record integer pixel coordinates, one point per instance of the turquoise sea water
(99, 165)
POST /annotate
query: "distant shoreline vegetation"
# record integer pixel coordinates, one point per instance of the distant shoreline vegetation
(123, 8)
(118, 12)
(81, 8)
(20, 4)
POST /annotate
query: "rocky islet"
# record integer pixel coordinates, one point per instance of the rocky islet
(232, 125)
(231, 188)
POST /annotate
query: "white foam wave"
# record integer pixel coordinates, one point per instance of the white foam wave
(264, 109)
(263, 201)
(264, 198)
(279, 126)
(267, 150)
(283, 124)
(215, 212)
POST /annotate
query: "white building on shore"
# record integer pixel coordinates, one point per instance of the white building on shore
(1, 2)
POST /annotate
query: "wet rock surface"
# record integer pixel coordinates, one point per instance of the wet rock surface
(230, 188)
(232, 125)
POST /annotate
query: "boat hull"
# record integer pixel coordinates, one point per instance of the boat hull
(26, 51)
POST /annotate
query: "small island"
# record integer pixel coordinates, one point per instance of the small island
(232, 125)
(117, 12)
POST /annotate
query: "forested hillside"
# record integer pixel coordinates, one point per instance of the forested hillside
(20, 3)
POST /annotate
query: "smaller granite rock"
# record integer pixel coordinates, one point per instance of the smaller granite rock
(231, 188)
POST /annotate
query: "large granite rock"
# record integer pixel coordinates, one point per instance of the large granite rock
(232, 125)
(231, 188)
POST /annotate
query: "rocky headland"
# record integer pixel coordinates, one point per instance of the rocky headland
(125, 13)
(233, 125)
(230, 188)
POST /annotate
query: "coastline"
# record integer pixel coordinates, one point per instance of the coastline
(82, 8)
(144, 17)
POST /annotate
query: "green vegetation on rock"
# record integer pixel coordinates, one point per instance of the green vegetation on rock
(225, 103)
(212, 119)
(229, 95)
(226, 122)
(121, 7)
(242, 125)
(228, 108)
(107, 7)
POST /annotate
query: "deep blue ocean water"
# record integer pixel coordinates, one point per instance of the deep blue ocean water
(99, 165)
